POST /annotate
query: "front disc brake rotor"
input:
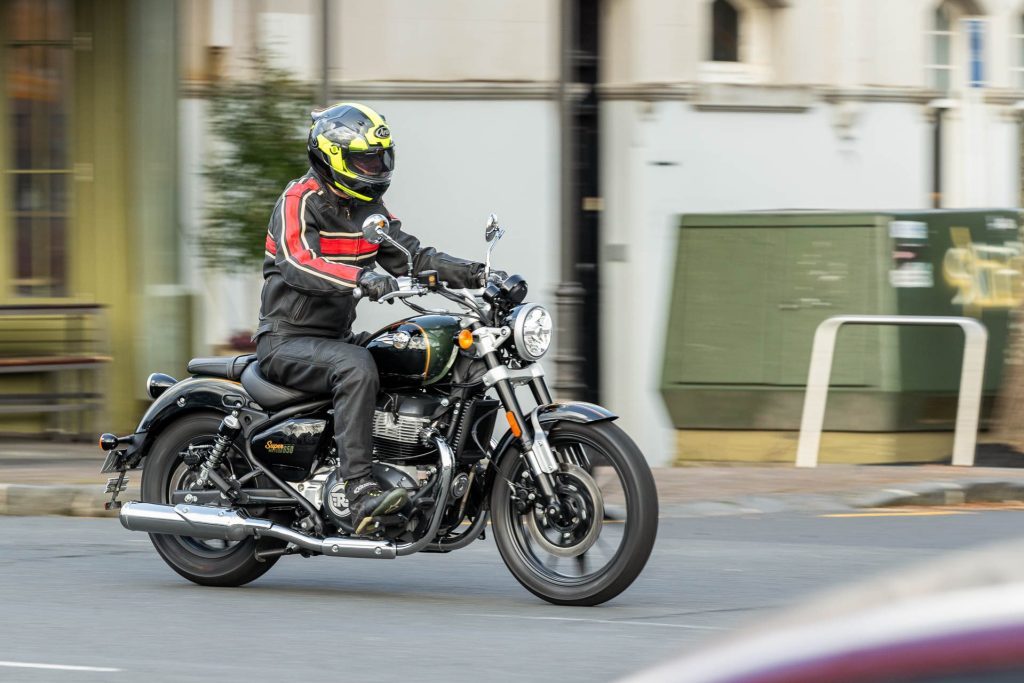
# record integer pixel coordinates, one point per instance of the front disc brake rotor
(582, 500)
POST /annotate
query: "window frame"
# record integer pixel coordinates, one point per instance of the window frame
(756, 26)
(738, 12)
(1017, 50)
(63, 289)
(931, 67)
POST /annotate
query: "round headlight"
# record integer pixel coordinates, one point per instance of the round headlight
(532, 331)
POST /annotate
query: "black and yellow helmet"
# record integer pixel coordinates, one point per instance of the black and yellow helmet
(350, 148)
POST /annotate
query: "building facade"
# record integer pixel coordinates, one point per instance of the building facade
(674, 106)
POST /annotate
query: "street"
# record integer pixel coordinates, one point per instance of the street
(86, 593)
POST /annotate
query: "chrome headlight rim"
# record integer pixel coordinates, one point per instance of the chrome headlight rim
(518, 331)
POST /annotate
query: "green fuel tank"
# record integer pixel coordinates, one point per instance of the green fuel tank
(415, 352)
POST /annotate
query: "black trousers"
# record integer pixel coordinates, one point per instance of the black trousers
(328, 366)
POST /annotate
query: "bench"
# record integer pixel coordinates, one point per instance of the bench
(64, 345)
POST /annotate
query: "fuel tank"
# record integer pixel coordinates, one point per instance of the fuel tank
(415, 352)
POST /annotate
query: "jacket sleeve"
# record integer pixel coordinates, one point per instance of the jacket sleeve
(294, 242)
(455, 271)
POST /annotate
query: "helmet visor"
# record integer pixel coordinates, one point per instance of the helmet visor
(374, 164)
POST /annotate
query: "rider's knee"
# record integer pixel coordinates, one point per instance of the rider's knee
(358, 367)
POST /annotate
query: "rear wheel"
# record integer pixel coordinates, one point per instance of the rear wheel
(599, 542)
(206, 562)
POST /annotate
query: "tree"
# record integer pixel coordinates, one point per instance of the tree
(260, 129)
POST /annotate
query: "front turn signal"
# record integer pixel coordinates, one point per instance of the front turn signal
(465, 340)
(513, 424)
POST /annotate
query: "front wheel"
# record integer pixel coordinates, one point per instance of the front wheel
(599, 542)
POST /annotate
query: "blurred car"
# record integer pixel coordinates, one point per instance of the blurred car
(959, 620)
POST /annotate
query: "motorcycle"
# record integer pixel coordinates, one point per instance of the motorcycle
(239, 471)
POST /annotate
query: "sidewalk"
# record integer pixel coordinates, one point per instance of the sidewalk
(61, 478)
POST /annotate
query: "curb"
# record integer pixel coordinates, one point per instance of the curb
(78, 500)
(944, 493)
(68, 500)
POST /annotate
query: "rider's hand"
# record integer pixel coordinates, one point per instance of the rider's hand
(375, 285)
(495, 276)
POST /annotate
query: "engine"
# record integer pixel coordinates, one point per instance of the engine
(400, 423)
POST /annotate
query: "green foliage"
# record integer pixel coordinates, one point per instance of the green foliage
(259, 129)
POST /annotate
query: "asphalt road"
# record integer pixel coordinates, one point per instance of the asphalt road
(86, 593)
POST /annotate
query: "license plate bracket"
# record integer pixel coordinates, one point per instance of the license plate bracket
(116, 461)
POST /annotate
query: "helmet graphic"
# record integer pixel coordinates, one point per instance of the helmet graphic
(350, 148)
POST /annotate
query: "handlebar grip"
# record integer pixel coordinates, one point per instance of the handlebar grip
(357, 293)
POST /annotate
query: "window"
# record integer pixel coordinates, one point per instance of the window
(38, 83)
(725, 32)
(941, 37)
(1018, 53)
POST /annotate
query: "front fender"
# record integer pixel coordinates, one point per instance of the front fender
(560, 411)
(188, 396)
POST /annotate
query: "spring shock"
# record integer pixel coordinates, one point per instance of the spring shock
(226, 433)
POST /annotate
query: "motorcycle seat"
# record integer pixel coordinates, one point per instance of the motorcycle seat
(269, 395)
(228, 367)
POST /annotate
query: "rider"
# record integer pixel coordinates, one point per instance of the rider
(315, 258)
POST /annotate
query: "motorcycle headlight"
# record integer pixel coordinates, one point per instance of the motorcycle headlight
(532, 331)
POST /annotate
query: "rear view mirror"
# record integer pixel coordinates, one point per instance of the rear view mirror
(375, 227)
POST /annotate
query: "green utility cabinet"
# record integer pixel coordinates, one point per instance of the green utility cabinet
(750, 289)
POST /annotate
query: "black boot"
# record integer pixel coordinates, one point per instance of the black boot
(366, 501)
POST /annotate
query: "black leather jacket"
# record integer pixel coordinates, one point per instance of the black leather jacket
(315, 252)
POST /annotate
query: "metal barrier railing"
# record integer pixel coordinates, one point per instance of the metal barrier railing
(972, 372)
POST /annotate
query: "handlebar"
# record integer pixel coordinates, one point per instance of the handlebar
(409, 287)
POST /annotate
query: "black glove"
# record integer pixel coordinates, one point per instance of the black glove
(496, 276)
(375, 285)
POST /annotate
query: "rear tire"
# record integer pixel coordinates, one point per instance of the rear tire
(234, 565)
(639, 525)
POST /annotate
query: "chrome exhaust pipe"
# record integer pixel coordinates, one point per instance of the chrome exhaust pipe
(229, 524)
(208, 522)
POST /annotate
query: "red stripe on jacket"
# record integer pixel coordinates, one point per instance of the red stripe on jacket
(346, 246)
(271, 245)
(293, 228)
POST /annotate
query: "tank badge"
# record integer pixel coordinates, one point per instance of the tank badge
(279, 447)
(400, 339)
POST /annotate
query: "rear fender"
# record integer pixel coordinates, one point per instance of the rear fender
(549, 414)
(196, 394)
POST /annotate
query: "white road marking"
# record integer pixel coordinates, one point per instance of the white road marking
(58, 667)
(602, 621)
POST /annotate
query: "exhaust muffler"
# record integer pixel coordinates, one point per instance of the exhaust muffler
(215, 523)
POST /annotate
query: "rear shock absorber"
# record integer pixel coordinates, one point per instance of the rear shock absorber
(226, 433)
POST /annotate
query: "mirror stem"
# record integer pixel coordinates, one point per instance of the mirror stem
(408, 254)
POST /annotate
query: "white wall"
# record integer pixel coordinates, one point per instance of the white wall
(458, 161)
(674, 159)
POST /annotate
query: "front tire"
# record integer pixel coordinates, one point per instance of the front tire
(588, 454)
(201, 562)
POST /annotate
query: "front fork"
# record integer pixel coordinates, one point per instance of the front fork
(534, 442)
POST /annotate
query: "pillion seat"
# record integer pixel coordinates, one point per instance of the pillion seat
(228, 367)
(269, 395)
(245, 369)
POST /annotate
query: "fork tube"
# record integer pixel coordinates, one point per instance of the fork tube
(540, 391)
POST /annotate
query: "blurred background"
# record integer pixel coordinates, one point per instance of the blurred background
(691, 185)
